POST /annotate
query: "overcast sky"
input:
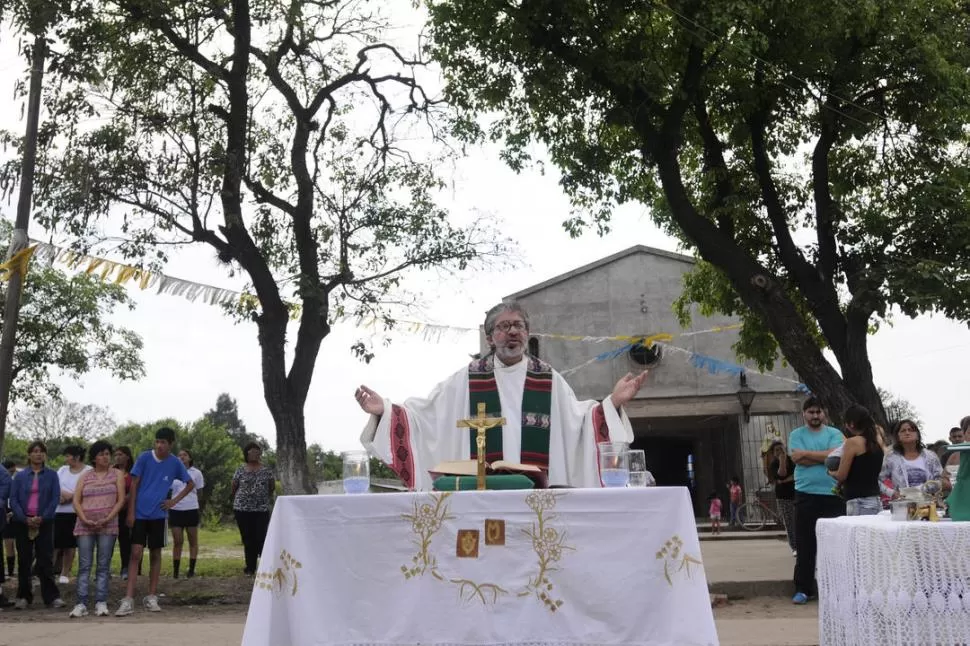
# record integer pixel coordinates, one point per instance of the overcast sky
(193, 352)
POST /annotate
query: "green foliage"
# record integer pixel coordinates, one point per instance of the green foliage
(815, 153)
(226, 415)
(216, 456)
(707, 288)
(141, 437)
(15, 448)
(65, 326)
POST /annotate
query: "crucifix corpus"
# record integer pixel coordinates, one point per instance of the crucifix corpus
(481, 423)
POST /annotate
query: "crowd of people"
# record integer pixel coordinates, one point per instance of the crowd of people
(83, 509)
(826, 472)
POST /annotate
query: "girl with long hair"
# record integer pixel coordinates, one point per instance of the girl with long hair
(861, 463)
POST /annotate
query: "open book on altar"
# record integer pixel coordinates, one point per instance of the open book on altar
(470, 468)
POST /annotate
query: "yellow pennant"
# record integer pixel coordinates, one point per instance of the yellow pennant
(18, 263)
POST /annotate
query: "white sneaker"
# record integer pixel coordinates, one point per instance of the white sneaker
(79, 611)
(101, 609)
(57, 603)
(20, 604)
(63, 580)
(126, 607)
(151, 604)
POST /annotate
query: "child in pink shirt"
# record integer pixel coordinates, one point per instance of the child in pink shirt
(715, 513)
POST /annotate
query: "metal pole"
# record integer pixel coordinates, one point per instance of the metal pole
(11, 309)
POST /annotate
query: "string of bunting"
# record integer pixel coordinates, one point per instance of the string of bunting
(712, 365)
(634, 339)
(123, 274)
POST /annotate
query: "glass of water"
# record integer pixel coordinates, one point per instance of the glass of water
(614, 463)
(638, 468)
(356, 471)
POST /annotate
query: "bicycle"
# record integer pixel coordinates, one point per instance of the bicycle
(753, 516)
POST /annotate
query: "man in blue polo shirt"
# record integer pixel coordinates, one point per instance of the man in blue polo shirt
(814, 495)
(151, 480)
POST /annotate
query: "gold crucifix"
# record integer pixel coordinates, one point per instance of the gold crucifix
(481, 423)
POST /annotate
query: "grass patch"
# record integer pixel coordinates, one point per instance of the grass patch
(220, 554)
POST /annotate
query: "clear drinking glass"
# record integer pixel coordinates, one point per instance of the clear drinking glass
(356, 471)
(638, 467)
(614, 463)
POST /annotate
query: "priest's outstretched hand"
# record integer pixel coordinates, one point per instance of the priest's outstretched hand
(627, 388)
(369, 401)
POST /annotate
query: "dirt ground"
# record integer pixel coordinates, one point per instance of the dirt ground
(226, 600)
(199, 598)
(750, 622)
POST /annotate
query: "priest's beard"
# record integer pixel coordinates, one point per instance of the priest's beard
(510, 356)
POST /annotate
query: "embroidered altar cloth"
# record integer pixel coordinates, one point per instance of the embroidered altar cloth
(558, 567)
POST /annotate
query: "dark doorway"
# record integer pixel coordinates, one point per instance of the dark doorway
(667, 458)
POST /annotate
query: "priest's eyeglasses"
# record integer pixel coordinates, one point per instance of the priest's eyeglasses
(505, 326)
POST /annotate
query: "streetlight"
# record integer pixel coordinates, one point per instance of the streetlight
(746, 396)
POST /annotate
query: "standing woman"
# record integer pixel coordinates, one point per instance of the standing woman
(64, 540)
(33, 500)
(185, 516)
(252, 496)
(98, 500)
(910, 464)
(123, 463)
(861, 464)
(781, 472)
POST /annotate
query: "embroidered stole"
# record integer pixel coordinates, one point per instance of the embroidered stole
(536, 405)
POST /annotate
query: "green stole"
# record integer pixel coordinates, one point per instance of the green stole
(536, 405)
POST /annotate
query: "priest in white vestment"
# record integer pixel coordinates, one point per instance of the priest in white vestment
(545, 424)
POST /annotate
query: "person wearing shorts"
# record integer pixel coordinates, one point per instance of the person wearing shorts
(65, 543)
(151, 479)
(183, 518)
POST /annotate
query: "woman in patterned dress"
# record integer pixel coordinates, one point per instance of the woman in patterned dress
(98, 500)
(253, 485)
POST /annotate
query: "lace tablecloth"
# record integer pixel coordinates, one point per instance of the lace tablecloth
(893, 582)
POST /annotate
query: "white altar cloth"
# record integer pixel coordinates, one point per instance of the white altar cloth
(893, 582)
(578, 566)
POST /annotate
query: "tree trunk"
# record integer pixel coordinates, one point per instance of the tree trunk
(856, 368)
(285, 405)
(291, 464)
(757, 287)
(19, 240)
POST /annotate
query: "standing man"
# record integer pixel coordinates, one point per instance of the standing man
(151, 479)
(956, 437)
(814, 491)
(546, 425)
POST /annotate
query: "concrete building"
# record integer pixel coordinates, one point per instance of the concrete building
(683, 410)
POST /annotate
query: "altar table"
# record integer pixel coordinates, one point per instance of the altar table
(893, 582)
(551, 567)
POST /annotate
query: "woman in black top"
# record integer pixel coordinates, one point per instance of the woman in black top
(781, 471)
(860, 465)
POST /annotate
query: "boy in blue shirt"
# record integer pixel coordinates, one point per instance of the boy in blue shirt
(151, 480)
(814, 497)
